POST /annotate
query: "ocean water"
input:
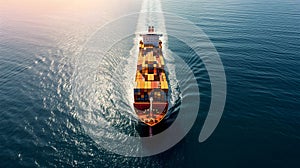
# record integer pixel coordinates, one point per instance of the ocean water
(66, 80)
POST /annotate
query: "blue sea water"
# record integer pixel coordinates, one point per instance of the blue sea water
(51, 87)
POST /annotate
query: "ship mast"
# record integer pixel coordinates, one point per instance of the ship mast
(151, 114)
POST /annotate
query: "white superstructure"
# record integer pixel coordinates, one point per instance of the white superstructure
(151, 38)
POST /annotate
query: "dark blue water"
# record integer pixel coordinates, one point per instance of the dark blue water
(41, 121)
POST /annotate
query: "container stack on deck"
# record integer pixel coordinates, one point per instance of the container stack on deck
(151, 81)
(150, 74)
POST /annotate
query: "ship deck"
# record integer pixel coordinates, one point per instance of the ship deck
(151, 86)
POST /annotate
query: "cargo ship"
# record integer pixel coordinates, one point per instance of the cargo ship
(151, 85)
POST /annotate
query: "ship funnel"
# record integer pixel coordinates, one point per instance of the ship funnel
(151, 29)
